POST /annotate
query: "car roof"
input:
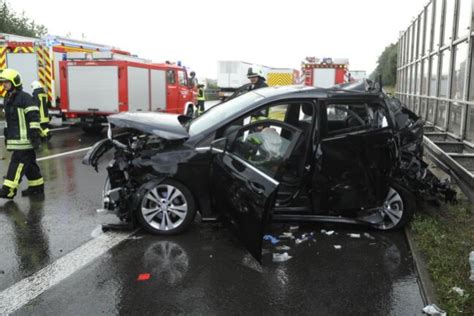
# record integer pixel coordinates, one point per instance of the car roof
(296, 91)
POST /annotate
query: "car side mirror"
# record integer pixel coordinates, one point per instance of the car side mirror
(219, 145)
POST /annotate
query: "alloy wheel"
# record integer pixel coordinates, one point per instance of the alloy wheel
(164, 207)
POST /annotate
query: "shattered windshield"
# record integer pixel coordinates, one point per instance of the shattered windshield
(221, 112)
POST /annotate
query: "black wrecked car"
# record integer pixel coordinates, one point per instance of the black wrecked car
(283, 153)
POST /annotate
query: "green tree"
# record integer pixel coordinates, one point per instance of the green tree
(18, 24)
(387, 65)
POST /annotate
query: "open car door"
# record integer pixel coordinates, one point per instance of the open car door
(244, 177)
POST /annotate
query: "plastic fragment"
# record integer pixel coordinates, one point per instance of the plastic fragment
(327, 232)
(287, 235)
(458, 290)
(337, 247)
(433, 310)
(283, 248)
(354, 235)
(299, 241)
(143, 276)
(281, 257)
(369, 236)
(272, 239)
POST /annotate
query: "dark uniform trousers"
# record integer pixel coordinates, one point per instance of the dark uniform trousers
(23, 162)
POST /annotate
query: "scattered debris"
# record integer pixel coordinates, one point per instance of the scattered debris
(281, 257)
(210, 256)
(458, 290)
(264, 252)
(143, 277)
(299, 241)
(354, 235)
(283, 248)
(97, 231)
(287, 235)
(2, 271)
(433, 310)
(294, 228)
(2, 158)
(327, 232)
(337, 247)
(101, 210)
(272, 239)
(369, 236)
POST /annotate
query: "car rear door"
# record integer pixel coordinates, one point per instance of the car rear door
(355, 162)
(245, 177)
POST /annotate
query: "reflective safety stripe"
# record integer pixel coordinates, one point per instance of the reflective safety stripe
(33, 183)
(43, 99)
(44, 132)
(16, 182)
(10, 184)
(18, 141)
(35, 125)
(19, 147)
(31, 108)
(22, 121)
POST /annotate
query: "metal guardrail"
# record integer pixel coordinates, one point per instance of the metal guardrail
(453, 157)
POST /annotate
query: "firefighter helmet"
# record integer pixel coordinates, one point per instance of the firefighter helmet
(36, 85)
(11, 75)
(254, 72)
(192, 74)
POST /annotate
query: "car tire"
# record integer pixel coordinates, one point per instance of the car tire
(161, 216)
(397, 209)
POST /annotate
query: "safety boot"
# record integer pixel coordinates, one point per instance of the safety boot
(6, 193)
(37, 190)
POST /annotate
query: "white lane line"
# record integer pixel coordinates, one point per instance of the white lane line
(23, 292)
(64, 154)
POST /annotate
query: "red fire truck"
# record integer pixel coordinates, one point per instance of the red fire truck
(324, 73)
(103, 83)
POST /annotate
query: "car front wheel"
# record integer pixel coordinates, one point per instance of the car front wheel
(396, 210)
(166, 208)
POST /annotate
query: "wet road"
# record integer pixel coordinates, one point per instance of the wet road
(53, 261)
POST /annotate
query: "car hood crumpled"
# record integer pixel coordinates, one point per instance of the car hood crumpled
(165, 125)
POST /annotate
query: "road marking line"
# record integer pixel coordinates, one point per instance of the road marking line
(64, 154)
(23, 292)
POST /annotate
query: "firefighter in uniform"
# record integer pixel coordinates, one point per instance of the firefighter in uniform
(41, 99)
(256, 79)
(22, 136)
(201, 99)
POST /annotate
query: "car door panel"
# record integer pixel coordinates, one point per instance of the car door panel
(354, 170)
(244, 190)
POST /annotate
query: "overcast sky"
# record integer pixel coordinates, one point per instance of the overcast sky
(276, 33)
